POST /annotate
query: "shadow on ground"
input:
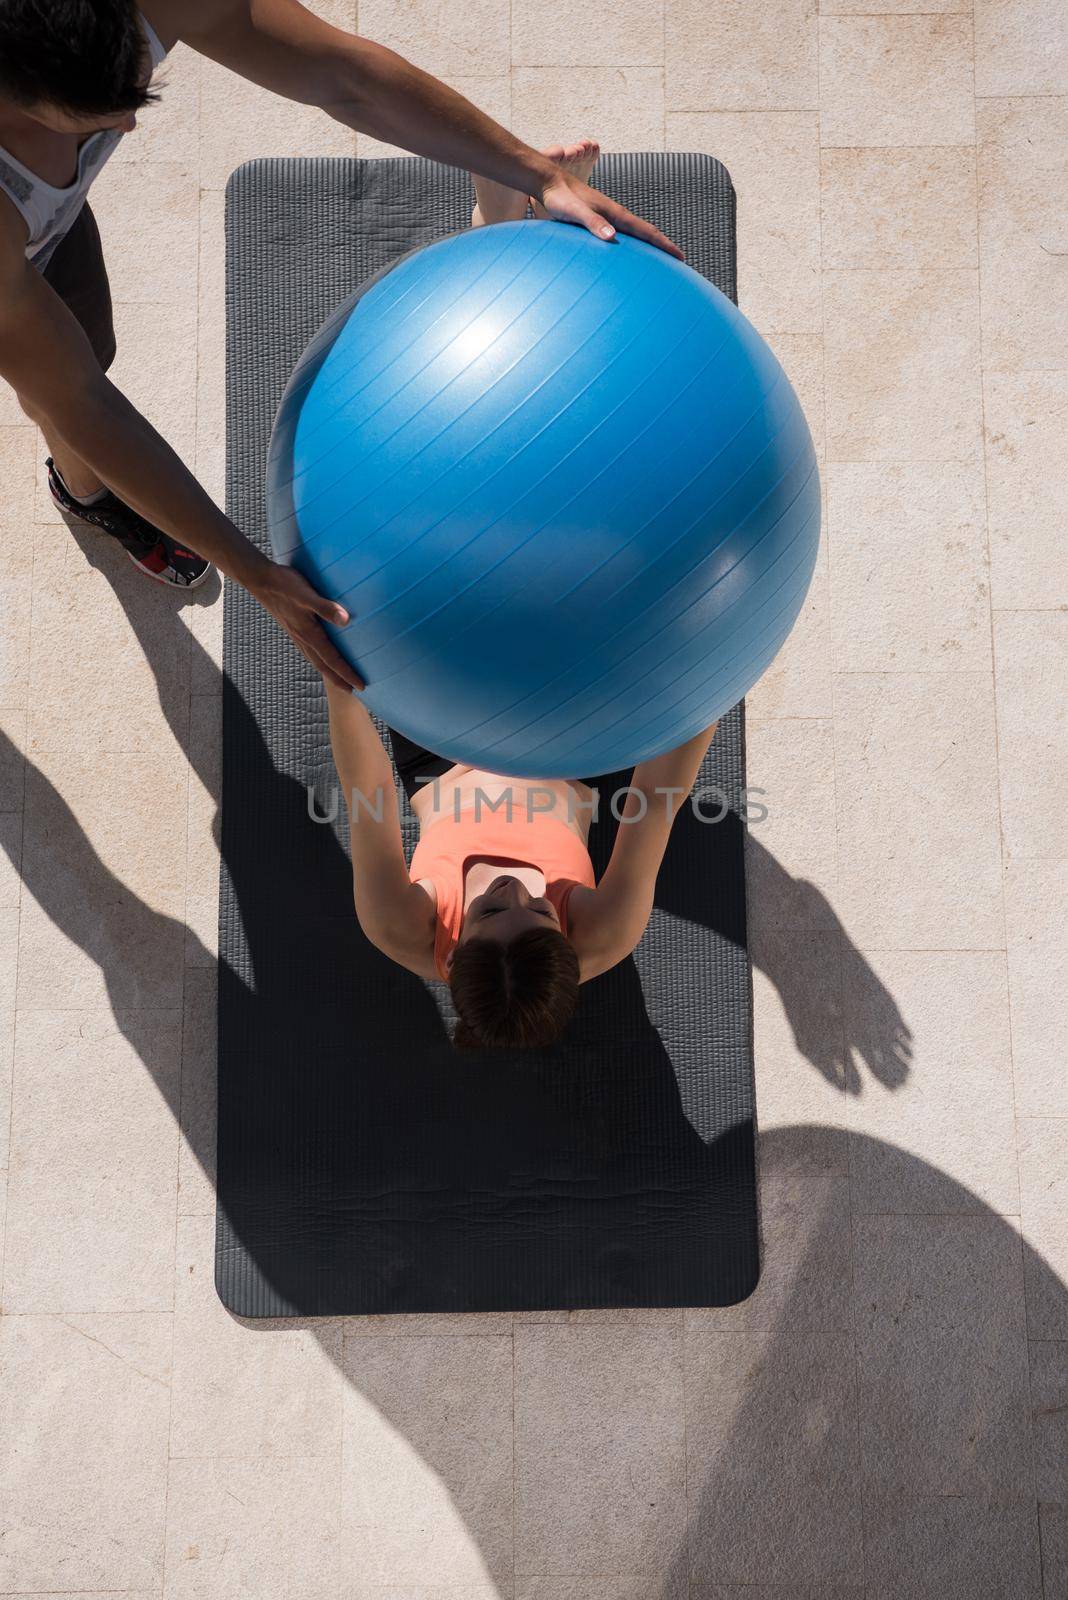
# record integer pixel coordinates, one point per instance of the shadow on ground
(914, 1322)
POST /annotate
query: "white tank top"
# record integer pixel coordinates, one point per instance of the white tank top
(49, 211)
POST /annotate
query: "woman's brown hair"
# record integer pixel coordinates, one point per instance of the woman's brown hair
(519, 994)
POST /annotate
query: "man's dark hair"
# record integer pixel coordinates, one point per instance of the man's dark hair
(84, 56)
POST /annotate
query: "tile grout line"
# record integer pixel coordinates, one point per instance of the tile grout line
(1019, 1232)
(994, 659)
(185, 903)
(18, 935)
(839, 962)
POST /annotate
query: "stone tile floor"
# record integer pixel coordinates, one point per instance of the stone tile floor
(886, 1416)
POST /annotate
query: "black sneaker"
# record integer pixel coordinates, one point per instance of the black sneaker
(157, 555)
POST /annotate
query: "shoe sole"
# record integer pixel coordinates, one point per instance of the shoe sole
(167, 583)
(154, 577)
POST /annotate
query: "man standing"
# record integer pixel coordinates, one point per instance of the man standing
(73, 74)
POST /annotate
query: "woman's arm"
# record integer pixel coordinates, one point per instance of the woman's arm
(395, 915)
(606, 923)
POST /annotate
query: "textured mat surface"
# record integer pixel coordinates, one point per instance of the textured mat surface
(363, 1165)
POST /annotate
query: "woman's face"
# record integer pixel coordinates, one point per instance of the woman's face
(506, 909)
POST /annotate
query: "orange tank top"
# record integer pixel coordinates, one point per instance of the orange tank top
(541, 841)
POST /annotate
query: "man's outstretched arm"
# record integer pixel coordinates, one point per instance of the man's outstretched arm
(47, 359)
(283, 46)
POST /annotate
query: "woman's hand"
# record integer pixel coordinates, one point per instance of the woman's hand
(294, 604)
(567, 199)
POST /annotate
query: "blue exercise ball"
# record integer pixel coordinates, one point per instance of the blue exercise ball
(564, 489)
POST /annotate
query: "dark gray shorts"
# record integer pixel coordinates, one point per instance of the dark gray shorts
(78, 275)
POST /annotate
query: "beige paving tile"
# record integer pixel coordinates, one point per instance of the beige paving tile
(801, 358)
(918, 848)
(155, 369)
(907, 544)
(1036, 893)
(667, 1587)
(426, 1477)
(148, 225)
(117, 628)
(11, 830)
(932, 1547)
(18, 448)
(168, 130)
(600, 1457)
(103, 955)
(774, 162)
(15, 607)
(792, 862)
(774, 1591)
(875, 8)
(1026, 420)
(1030, 657)
(806, 1269)
(902, 366)
(236, 1528)
(248, 1389)
(908, 208)
(904, 80)
(798, 682)
(1043, 1150)
(83, 1452)
(632, 1316)
(11, 414)
(204, 748)
(202, 931)
(773, 1485)
(206, 631)
(9, 949)
(1023, 232)
(1048, 1365)
(627, 33)
(941, 1357)
(1021, 47)
(491, 92)
(431, 1324)
(12, 764)
(804, 1067)
(623, 107)
(442, 39)
(941, 1140)
(732, 58)
(94, 1159)
(239, 121)
(196, 1156)
(7, 1037)
(122, 817)
(1053, 1521)
(211, 345)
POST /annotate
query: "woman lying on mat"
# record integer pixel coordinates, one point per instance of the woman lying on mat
(500, 901)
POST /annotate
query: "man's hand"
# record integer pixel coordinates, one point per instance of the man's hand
(567, 199)
(294, 604)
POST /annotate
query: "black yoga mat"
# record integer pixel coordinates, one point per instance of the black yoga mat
(363, 1164)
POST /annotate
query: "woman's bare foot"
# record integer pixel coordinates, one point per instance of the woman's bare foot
(497, 203)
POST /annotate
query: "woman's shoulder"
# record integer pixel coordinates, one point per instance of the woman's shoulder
(408, 939)
(596, 943)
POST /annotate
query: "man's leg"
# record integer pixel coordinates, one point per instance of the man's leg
(78, 275)
(81, 480)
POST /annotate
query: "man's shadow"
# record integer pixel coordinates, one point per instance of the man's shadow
(783, 1489)
(416, 1124)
